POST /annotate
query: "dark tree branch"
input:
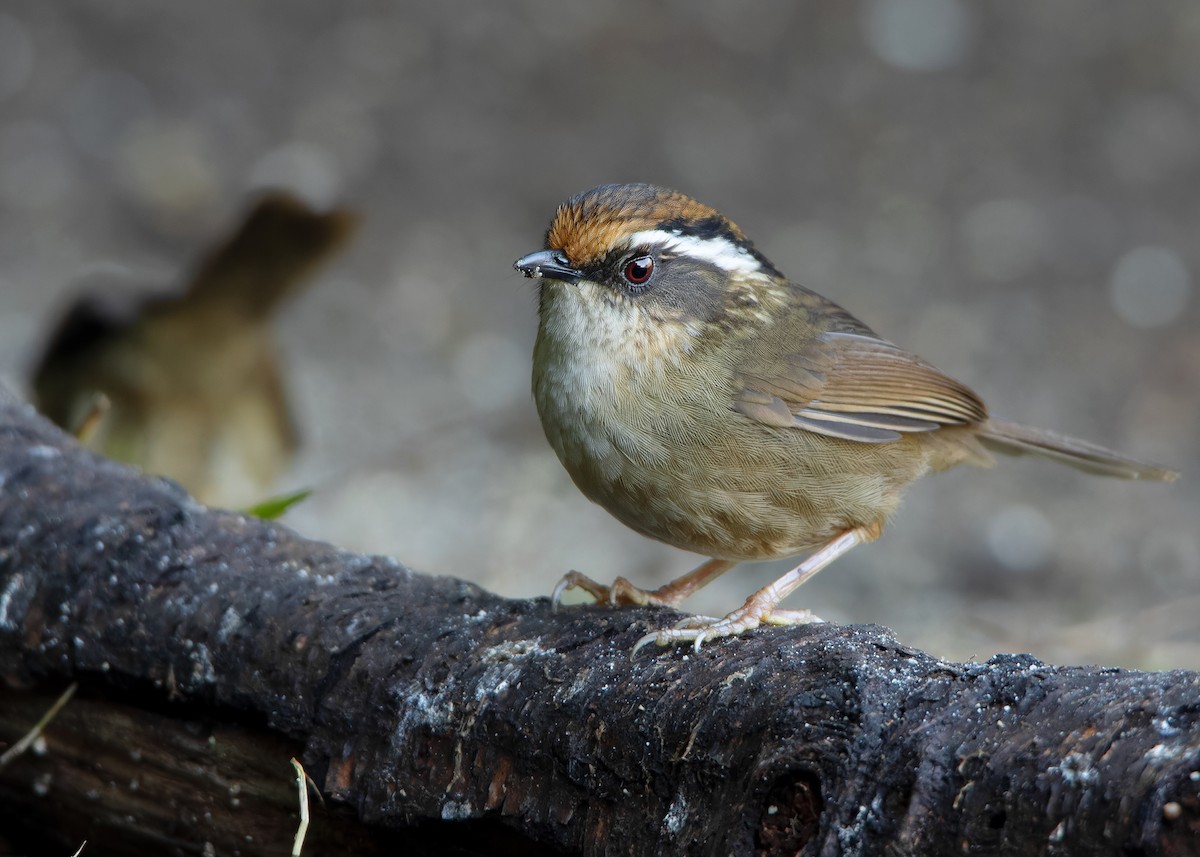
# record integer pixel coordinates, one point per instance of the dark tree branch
(425, 702)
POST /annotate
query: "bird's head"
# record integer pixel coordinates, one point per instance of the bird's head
(655, 256)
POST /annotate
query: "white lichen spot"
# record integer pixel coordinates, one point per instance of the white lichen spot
(578, 686)
(1076, 769)
(10, 589)
(453, 810)
(202, 666)
(1160, 754)
(740, 675)
(231, 622)
(676, 815)
(850, 836)
(430, 710)
(505, 664)
(1163, 726)
(512, 650)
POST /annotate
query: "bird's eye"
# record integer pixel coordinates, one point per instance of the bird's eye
(639, 269)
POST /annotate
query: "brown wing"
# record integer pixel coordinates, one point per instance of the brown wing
(855, 386)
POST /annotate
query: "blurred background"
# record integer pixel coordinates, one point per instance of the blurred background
(1010, 190)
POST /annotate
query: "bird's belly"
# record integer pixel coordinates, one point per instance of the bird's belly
(757, 493)
(732, 514)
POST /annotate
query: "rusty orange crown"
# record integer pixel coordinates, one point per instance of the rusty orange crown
(590, 224)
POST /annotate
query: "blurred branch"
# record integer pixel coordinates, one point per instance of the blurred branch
(211, 647)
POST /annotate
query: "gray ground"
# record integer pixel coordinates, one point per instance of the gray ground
(1010, 189)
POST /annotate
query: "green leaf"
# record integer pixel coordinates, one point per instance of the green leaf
(273, 507)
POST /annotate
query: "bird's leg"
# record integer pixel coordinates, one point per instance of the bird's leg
(760, 608)
(624, 593)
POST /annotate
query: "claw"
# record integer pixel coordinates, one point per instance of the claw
(560, 589)
(667, 637)
(644, 641)
(620, 590)
(575, 580)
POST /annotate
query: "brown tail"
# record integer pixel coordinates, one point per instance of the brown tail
(1013, 439)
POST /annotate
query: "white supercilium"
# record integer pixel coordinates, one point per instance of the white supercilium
(718, 250)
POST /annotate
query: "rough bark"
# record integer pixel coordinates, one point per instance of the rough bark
(436, 712)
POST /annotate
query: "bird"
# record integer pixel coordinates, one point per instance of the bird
(707, 401)
(192, 375)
